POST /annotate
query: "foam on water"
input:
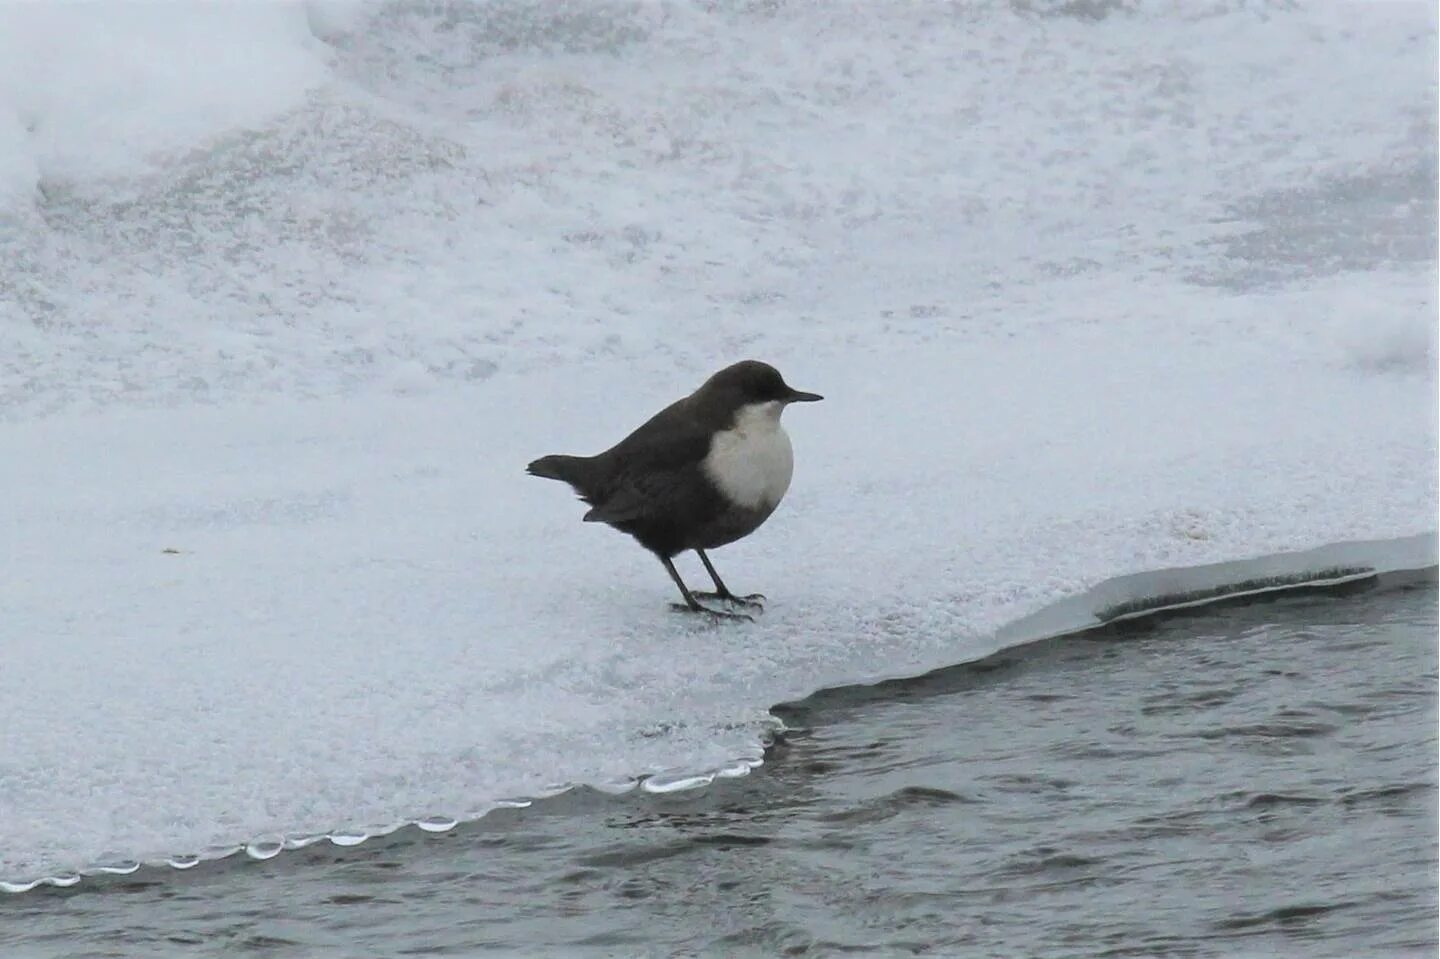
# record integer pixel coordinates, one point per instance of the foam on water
(993, 236)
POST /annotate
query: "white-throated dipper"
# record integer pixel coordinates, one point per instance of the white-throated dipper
(703, 472)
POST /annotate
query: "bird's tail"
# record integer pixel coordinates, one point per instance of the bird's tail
(568, 469)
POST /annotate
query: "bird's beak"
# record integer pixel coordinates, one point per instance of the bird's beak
(798, 396)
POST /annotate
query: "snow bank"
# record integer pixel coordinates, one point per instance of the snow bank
(521, 184)
(99, 90)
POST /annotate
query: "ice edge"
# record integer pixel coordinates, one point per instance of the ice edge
(1131, 596)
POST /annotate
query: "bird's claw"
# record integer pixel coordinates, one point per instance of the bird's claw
(714, 614)
(756, 600)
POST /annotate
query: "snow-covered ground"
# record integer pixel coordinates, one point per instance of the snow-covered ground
(290, 293)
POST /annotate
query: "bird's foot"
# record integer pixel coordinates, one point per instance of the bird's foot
(714, 614)
(755, 600)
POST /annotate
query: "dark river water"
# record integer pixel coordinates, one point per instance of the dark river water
(1248, 780)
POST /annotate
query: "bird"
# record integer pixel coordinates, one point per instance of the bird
(705, 471)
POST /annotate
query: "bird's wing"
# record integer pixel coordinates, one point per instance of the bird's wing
(625, 504)
(654, 466)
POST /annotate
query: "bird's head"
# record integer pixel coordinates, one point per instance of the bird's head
(754, 386)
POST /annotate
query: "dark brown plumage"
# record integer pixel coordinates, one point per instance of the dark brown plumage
(701, 473)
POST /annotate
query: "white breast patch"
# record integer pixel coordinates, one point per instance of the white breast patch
(752, 462)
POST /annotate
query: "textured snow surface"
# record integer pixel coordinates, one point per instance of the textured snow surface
(290, 293)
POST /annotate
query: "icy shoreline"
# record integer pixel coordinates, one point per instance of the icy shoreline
(1149, 593)
(229, 620)
(286, 304)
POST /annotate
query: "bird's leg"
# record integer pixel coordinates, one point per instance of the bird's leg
(691, 606)
(722, 591)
